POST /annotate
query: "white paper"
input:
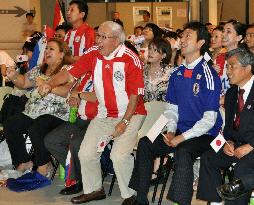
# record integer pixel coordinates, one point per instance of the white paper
(218, 142)
(157, 127)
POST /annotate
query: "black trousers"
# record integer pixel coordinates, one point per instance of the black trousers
(64, 137)
(181, 188)
(147, 152)
(211, 165)
(19, 124)
(185, 154)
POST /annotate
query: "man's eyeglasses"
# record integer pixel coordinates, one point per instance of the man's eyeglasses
(250, 35)
(103, 37)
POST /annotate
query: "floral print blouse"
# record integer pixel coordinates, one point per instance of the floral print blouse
(156, 89)
(50, 104)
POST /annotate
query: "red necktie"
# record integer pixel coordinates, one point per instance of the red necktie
(239, 109)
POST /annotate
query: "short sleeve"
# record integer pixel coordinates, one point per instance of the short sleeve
(135, 81)
(82, 65)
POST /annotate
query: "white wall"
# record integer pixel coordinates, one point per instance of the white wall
(11, 27)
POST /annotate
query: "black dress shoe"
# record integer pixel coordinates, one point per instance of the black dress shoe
(94, 196)
(232, 190)
(132, 201)
(74, 189)
(129, 201)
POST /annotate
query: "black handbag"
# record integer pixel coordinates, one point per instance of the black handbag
(12, 105)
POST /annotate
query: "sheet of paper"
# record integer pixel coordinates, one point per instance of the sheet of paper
(157, 127)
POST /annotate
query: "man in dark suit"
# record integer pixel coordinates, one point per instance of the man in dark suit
(238, 130)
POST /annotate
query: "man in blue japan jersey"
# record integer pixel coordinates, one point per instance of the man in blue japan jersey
(194, 120)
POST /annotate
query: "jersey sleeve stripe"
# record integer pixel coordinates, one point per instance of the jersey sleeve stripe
(136, 60)
(209, 77)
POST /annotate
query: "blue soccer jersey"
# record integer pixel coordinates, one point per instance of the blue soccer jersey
(195, 91)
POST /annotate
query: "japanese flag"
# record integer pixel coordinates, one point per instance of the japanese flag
(218, 142)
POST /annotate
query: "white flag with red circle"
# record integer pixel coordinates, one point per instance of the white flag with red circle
(218, 142)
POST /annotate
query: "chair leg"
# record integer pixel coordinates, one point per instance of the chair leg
(157, 182)
(169, 166)
(112, 185)
(55, 164)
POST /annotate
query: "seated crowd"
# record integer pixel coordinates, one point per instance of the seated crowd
(109, 80)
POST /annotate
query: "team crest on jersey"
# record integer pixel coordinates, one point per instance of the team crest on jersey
(118, 76)
(77, 39)
(196, 88)
(198, 76)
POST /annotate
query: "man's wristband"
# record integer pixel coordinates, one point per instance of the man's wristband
(126, 122)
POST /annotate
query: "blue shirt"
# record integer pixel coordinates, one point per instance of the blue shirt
(195, 91)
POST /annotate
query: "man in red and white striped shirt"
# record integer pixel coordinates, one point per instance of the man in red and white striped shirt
(81, 37)
(118, 84)
(68, 136)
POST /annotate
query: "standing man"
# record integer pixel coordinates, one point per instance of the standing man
(118, 84)
(116, 18)
(146, 19)
(29, 27)
(239, 131)
(81, 37)
(249, 39)
(194, 120)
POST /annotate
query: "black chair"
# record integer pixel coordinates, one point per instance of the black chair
(169, 166)
(106, 171)
(106, 166)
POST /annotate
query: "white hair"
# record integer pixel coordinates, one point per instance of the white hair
(117, 30)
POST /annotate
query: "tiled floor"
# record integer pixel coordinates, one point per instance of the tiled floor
(49, 196)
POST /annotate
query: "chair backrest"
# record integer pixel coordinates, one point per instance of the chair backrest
(3, 91)
(154, 110)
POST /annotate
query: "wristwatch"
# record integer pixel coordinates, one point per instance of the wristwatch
(126, 122)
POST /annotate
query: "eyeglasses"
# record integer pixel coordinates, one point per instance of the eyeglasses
(250, 35)
(103, 37)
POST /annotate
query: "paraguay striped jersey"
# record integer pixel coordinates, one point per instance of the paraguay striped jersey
(115, 79)
(80, 39)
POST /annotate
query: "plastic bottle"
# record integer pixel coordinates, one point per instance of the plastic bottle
(61, 172)
(73, 114)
